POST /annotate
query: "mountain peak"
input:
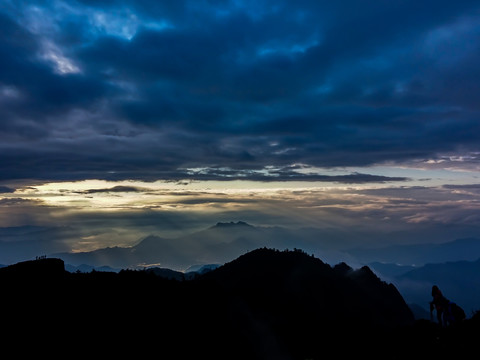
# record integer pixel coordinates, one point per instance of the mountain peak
(296, 280)
(231, 224)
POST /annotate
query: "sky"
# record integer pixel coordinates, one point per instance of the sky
(122, 118)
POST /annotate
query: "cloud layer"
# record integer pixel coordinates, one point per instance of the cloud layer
(82, 216)
(145, 89)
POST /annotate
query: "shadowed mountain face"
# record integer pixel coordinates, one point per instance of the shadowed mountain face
(265, 304)
(326, 295)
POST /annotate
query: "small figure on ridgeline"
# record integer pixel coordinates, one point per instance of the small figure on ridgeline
(448, 313)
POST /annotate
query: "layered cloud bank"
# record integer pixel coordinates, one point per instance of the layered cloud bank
(88, 215)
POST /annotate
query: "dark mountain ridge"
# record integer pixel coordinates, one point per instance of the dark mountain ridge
(354, 296)
(266, 304)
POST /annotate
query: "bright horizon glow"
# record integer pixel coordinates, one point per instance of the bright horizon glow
(95, 194)
(427, 197)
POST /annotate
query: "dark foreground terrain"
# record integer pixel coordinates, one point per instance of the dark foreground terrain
(266, 304)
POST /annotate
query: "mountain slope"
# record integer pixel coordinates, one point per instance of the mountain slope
(265, 304)
(332, 295)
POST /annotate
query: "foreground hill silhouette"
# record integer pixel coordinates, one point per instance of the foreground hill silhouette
(266, 304)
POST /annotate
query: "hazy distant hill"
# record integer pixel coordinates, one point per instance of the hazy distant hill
(224, 242)
(389, 270)
(458, 280)
(89, 268)
(201, 269)
(420, 254)
(218, 244)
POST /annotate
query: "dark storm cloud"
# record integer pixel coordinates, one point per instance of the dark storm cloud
(286, 174)
(143, 89)
(115, 189)
(35, 79)
(6, 189)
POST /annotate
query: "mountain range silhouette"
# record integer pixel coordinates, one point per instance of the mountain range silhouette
(265, 304)
(226, 241)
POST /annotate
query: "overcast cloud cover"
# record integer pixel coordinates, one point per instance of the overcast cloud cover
(144, 89)
(227, 89)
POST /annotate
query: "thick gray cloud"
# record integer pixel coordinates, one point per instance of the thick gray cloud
(143, 89)
(115, 189)
(6, 189)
